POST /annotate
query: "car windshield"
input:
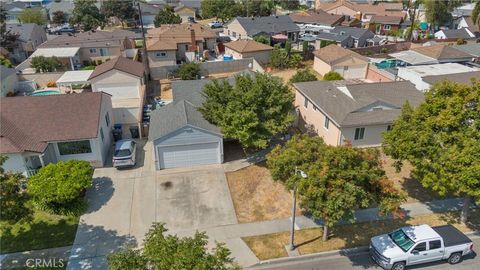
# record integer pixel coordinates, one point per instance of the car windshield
(401, 239)
(122, 153)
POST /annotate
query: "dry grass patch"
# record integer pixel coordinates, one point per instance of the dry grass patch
(415, 191)
(166, 90)
(350, 235)
(256, 196)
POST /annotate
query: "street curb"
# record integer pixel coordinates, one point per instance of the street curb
(338, 252)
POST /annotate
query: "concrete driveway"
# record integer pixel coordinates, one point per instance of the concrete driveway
(123, 204)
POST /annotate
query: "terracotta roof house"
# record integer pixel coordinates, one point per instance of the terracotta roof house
(381, 25)
(464, 33)
(341, 112)
(363, 12)
(444, 54)
(168, 44)
(55, 128)
(246, 48)
(318, 17)
(347, 63)
(249, 27)
(96, 46)
(124, 80)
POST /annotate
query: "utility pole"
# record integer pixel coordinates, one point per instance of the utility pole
(144, 47)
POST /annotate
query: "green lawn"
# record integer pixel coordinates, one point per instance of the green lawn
(44, 231)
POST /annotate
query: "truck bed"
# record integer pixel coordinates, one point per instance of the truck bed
(451, 235)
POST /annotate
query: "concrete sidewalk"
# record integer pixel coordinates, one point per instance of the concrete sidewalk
(57, 256)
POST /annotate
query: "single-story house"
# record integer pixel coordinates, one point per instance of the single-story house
(65, 6)
(30, 37)
(361, 11)
(270, 26)
(347, 63)
(382, 25)
(467, 22)
(360, 35)
(185, 13)
(13, 11)
(319, 17)
(357, 113)
(463, 78)
(416, 74)
(8, 80)
(149, 11)
(168, 44)
(181, 136)
(247, 48)
(124, 80)
(434, 54)
(48, 129)
(464, 33)
(470, 48)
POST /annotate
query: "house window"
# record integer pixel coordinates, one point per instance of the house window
(305, 102)
(107, 119)
(74, 148)
(228, 31)
(234, 34)
(101, 134)
(93, 50)
(387, 27)
(160, 54)
(103, 51)
(239, 36)
(359, 132)
(327, 123)
(345, 68)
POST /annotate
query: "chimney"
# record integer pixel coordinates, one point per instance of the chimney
(193, 46)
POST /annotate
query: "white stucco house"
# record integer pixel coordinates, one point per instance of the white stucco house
(124, 80)
(48, 129)
(347, 63)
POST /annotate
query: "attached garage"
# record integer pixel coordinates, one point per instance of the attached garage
(183, 138)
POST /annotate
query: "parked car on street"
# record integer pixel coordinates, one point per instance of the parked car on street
(125, 153)
(215, 24)
(419, 244)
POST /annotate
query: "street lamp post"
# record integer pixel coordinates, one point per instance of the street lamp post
(294, 209)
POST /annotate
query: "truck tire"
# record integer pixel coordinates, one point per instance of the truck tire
(398, 266)
(455, 258)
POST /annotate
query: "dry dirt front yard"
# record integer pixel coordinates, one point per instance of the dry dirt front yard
(271, 246)
(256, 197)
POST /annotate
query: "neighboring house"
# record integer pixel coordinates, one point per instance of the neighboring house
(65, 6)
(8, 80)
(249, 49)
(360, 36)
(30, 37)
(149, 11)
(415, 74)
(347, 63)
(363, 12)
(467, 22)
(270, 26)
(355, 113)
(48, 129)
(181, 136)
(322, 38)
(168, 44)
(464, 78)
(95, 46)
(464, 33)
(471, 48)
(382, 25)
(434, 54)
(185, 13)
(13, 11)
(124, 80)
(318, 17)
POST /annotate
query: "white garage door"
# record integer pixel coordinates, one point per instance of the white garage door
(119, 90)
(188, 155)
(352, 72)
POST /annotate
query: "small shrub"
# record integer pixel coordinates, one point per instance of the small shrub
(189, 71)
(295, 61)
(384, 50)
(332, 76)
(303, 75)
(461, 41)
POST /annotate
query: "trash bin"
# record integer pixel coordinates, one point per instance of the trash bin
(117, 126)
(135, 132)
(117, 134)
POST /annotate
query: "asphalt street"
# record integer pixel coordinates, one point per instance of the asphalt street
(363, 261)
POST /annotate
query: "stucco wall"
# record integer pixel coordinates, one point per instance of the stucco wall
(372, 136)
(320, 66)
(122, 80)
(41, 79)
(167, 60)
(262, 57)
(8, 84)
(86, 55)
(14, 163)
(317, 120)
(234, 26)
(376, 75)
(351, 71)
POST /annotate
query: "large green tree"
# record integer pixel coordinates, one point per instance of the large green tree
(188, 71)
(340, 179)
(256, 8)
(162, 251)
(252, 110)
(441, 139)
(45, 64)
(167, 16)
(59, 17)
(439, 13)
(123, 10)
(221, 9)
(60, 185)
(86, 15)
(476, 13)
(33, 15)
(12, 197)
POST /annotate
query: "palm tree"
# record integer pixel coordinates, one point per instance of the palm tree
(476, 13)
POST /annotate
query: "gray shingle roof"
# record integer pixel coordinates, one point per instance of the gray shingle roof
(355, 32)
(465, 77)
(471, 48)
(346, 108)
(175, 116)
(24, 30)
(332, 36)
(457, 33)
(268, 24)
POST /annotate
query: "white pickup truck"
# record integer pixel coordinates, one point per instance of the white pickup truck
(419, 244)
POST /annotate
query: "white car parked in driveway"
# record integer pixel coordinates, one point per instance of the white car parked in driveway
(125, 153)
(419, 244)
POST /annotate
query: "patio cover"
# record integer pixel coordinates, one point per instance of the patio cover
(413, 58)
(279, 37)
(57, 52)
(75, 77)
